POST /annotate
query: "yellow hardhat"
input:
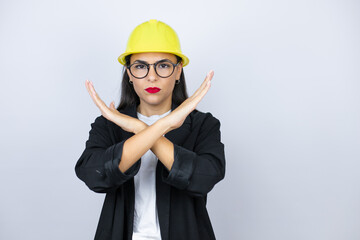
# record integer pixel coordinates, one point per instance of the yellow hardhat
(153, 36)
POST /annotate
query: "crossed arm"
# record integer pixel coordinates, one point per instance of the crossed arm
(150, 137)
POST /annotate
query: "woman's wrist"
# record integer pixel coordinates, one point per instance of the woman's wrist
(165, 124)
(140, 126)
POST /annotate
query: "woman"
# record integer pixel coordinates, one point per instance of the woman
(155, 156)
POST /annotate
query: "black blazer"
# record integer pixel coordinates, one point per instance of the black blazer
(199, 163)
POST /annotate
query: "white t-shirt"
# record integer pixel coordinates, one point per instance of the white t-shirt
(146, 221)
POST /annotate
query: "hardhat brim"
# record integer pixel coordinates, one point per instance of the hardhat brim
(185, 60)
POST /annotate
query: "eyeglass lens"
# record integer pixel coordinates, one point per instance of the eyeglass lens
(163, 69)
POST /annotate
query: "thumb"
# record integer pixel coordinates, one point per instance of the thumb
(112, 105)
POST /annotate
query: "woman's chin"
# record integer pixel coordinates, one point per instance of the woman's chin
(153, 100)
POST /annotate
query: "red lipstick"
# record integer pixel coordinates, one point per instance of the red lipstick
(152, 89)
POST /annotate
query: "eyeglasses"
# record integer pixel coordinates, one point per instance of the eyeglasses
(163, 68)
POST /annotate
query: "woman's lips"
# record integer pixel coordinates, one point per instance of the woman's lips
(153, 90)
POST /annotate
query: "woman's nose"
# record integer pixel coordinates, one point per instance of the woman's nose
(152, 74)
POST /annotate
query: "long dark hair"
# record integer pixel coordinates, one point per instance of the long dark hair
(129, 96)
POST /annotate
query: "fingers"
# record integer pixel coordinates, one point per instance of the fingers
(90, 88)
(202, 93)
(95, 97)
(112, 105)
(191, 103)
(203, 89)
(87, 86)
(205, 82)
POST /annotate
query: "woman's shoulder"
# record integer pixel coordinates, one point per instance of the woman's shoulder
(106, 128)
(203, 119)
(99, 121)
(103, 124)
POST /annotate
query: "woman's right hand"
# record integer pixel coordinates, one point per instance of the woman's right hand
(177, 117)
(124, 121)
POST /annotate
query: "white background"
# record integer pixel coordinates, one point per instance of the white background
(286, 90)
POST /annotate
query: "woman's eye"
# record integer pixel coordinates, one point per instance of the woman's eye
(164, 65)
(140, 66)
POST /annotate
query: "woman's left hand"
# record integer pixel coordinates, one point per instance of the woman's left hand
(124, 121)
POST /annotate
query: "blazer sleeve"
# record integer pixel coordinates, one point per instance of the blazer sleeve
(198, 171)
(98, 165)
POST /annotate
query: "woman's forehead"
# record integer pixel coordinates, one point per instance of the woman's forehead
(151, 57)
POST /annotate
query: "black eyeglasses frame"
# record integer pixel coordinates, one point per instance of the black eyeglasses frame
(154, 65)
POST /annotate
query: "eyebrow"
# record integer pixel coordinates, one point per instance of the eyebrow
(141, 61)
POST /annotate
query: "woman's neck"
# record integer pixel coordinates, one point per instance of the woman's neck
(149, 110)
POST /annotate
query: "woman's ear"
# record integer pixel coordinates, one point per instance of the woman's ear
(179, 67)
